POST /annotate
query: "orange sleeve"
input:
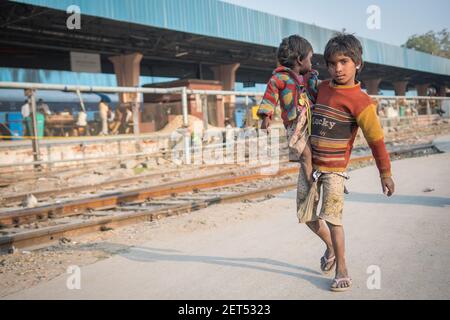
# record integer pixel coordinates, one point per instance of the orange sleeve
(370, 125)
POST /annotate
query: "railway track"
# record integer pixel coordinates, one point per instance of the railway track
(46, 224)
(9, 200)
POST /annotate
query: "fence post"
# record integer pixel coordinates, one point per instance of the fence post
(204, 100)
(35, 142)
(186, 135)
(136, 130)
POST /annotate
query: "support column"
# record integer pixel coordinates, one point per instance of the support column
(128, 69)
(400, 87)
(424, 105)
(227, 75)
(372, 85)
(422, 89)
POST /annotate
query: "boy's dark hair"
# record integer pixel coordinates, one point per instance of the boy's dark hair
(291, 48)
(348, 45)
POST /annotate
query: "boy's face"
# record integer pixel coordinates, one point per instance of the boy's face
(342, 69)
(305, 64)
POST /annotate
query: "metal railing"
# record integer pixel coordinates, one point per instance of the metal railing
(395, 102)
(31, 88)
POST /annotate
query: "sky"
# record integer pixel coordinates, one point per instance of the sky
(399, 19)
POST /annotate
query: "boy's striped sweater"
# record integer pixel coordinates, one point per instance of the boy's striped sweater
(338, 113)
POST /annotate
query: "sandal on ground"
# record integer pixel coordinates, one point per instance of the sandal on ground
(324, 262)
(337, 281)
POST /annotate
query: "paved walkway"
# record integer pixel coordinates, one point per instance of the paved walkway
(406, 238)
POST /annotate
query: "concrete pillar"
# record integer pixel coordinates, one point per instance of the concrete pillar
(422, 89)
(372, 85)
(400, 87)
(424, 105)
(127, 69)
(227, 75)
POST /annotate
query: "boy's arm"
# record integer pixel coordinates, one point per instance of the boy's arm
(269, 102)
(370, 125)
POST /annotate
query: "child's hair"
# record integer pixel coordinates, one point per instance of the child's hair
(291, 48)
(346, 44)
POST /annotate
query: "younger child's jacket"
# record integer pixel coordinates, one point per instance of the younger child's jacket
(286, 87)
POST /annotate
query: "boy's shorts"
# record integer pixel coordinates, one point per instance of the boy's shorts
(297, 137)
(332, 196)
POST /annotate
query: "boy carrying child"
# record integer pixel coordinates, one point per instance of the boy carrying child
(340, 108)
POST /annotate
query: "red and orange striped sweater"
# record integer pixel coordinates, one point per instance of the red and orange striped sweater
(338, 113)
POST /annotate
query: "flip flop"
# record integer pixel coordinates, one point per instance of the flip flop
(337, 281)
(324, 261)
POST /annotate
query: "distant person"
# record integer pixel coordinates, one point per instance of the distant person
(103, 110)
(25, 111)
(408, 111)
(228, 124)
(341, 109)
(128, 120)
(45, 109)
(81, 124)
(117, 121)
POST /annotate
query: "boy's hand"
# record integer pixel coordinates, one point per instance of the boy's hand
(388, 186)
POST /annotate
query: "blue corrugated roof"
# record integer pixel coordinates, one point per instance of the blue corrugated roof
(67, 77)
(223, 20)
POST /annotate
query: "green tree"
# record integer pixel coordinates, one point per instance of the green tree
(435, 43)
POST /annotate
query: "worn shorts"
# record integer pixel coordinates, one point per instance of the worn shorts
(331, 190)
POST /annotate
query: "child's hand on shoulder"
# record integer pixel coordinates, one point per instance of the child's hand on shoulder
(265, 122)
(388, 186)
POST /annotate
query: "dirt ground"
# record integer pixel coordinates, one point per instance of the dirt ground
(25, 269)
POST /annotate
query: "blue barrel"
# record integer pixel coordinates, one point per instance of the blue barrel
(15, 125)
(239, 117)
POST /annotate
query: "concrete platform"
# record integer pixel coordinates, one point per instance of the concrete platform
(443, 143)
(406, 238)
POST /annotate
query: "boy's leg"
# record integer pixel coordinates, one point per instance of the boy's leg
(338, 239)
(331, 212)
(319, 227)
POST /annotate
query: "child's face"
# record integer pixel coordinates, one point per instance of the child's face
(305, 64)
(342, 69)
